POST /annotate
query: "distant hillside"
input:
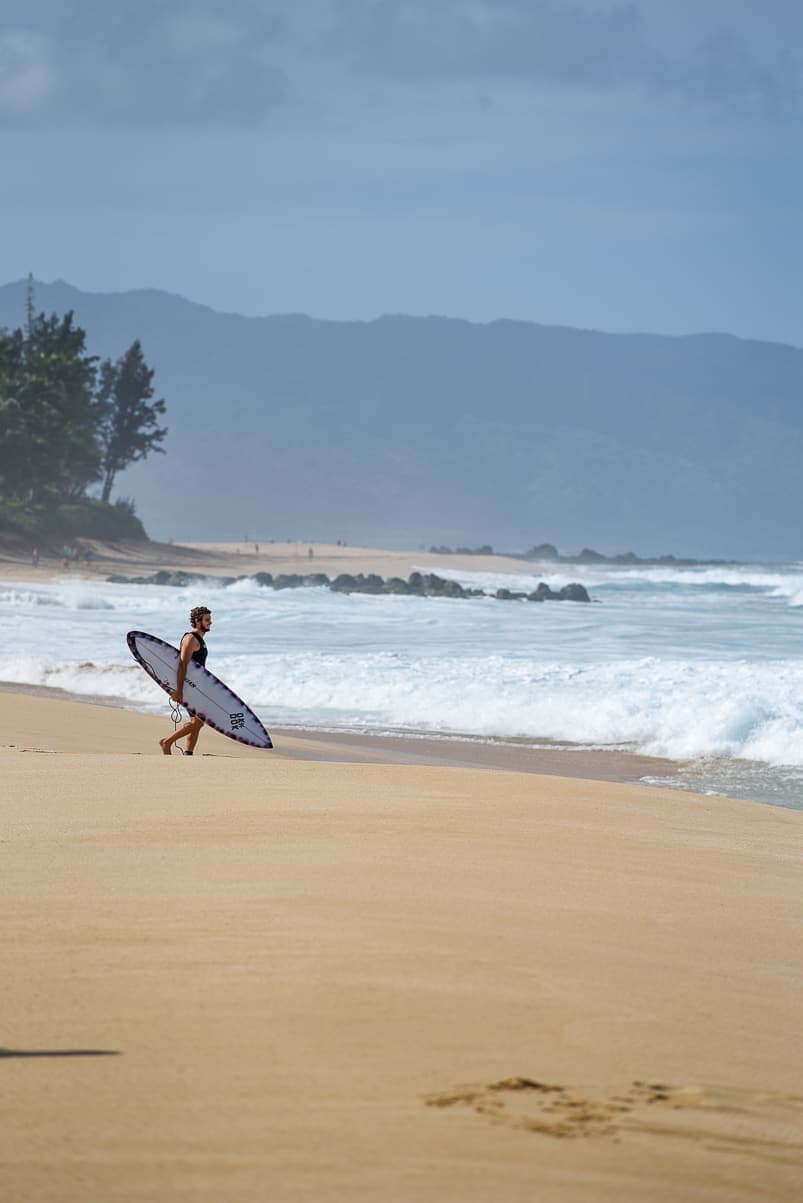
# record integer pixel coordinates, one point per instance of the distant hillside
(409, 431)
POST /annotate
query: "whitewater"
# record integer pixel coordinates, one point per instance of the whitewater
(701, 665)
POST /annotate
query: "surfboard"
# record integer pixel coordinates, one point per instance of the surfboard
(205, 695)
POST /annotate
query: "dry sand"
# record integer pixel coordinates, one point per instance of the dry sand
(259, 977)
(240, 559)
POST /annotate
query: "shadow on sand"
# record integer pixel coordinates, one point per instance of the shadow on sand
(58, 1052)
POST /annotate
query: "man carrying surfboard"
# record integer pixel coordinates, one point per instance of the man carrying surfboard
(208, 699)
(192, 647)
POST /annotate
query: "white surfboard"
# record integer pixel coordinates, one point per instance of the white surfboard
(205, 695)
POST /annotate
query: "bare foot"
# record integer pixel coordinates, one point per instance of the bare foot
(165, 746)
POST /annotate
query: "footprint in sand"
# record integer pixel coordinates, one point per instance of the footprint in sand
(760, 1124)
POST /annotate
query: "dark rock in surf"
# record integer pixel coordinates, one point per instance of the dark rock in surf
(543, 593)
(395, 584)
(344, 583)
(574, 592)
(418, 584)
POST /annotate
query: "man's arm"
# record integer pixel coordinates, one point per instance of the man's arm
(189, 644)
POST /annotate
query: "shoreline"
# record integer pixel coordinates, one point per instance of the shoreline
(421, 748)
(215, 561)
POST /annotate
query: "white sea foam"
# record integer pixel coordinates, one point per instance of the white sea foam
(123, 681)
(663, 708)
(785, 582)
(21, 596)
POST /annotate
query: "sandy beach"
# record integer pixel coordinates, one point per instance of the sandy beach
(265, 976)
(239, 559)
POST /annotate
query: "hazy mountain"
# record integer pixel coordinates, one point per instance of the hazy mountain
(431, 430)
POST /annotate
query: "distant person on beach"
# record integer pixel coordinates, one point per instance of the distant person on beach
(193, 647)
(35, 557)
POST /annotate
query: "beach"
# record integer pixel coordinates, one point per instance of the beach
(280, 976)
(235, 559)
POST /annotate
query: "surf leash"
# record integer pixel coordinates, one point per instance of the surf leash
(177, 717)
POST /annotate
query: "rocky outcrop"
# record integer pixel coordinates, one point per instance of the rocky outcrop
(346, 583)
(418, 584)
(572, 592)
(176, 580)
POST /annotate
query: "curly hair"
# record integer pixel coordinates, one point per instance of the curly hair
(197, 612)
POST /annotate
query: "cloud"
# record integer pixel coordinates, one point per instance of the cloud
(724, 69)
(593, 46)
(140, 64)
(482, 38)
(26, 72)
(206, 64)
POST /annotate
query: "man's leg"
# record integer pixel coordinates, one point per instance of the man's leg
(192, 735)
(191, 729)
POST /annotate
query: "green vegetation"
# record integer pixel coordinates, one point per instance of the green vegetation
(128, 428)
(68, 422)
(86, 518)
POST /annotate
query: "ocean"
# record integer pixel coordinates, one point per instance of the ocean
(703, 665)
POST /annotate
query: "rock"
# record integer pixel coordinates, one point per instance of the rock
(396, 585)
(437, 586)
(344, 583)
(574, 592)
(444, 588)
(418, 584)
(174, 579)
(543, 593)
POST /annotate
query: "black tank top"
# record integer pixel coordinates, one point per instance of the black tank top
(200, 655)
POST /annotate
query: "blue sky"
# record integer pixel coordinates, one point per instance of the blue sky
(620, 166)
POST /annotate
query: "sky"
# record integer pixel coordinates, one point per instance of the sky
(631, 166)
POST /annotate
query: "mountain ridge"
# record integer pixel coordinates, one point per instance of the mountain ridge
(421, 430)
(18, 288)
